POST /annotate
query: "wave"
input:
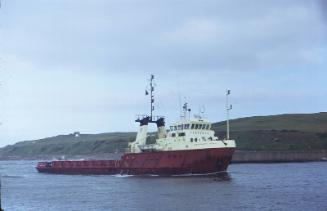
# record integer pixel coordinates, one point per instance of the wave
(122, 175)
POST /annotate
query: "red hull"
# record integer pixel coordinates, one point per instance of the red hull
(204, 161)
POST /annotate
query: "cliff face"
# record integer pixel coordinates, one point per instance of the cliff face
(278, 133)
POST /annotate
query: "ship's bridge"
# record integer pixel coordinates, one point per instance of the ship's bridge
(191, 129)
(190, 134)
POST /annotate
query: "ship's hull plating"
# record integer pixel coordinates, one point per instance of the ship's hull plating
(203, 161)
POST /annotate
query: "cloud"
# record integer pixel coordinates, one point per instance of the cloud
(323, 8)
(81, 65)
(135, 37)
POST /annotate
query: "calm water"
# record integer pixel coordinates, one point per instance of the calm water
(292, 186)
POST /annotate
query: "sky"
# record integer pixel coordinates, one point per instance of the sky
(83, 66)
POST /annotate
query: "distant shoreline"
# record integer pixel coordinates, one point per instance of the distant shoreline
(238, 157)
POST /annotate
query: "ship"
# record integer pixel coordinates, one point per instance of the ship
(188, 147)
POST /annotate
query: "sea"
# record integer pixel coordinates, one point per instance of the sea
(278, 186)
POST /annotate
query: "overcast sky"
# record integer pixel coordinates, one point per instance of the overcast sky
(83, 66)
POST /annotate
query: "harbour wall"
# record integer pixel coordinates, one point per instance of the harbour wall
(278, 156)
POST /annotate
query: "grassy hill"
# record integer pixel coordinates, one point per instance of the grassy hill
(287, 132)
(316, 122)
(84, 144)
(278, 132)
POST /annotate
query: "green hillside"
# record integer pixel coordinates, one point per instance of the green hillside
(84, 144)
(297, 122)
(279, 132)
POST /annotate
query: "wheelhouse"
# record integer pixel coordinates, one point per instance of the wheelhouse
(191, 126)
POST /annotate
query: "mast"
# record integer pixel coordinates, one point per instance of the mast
(228, 108)
(150, 118)
(151, 96)
(185, 110)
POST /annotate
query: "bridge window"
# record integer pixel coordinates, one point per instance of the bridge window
(175, 127)
(200, 126)
(181, 134)
(207, 127)
(192, 127)
(180, 127)
(187, 126)
(196, 126)
(203, 126)
(171, 128)
(173, 134)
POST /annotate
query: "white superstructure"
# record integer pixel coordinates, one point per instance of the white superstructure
(187, 134)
